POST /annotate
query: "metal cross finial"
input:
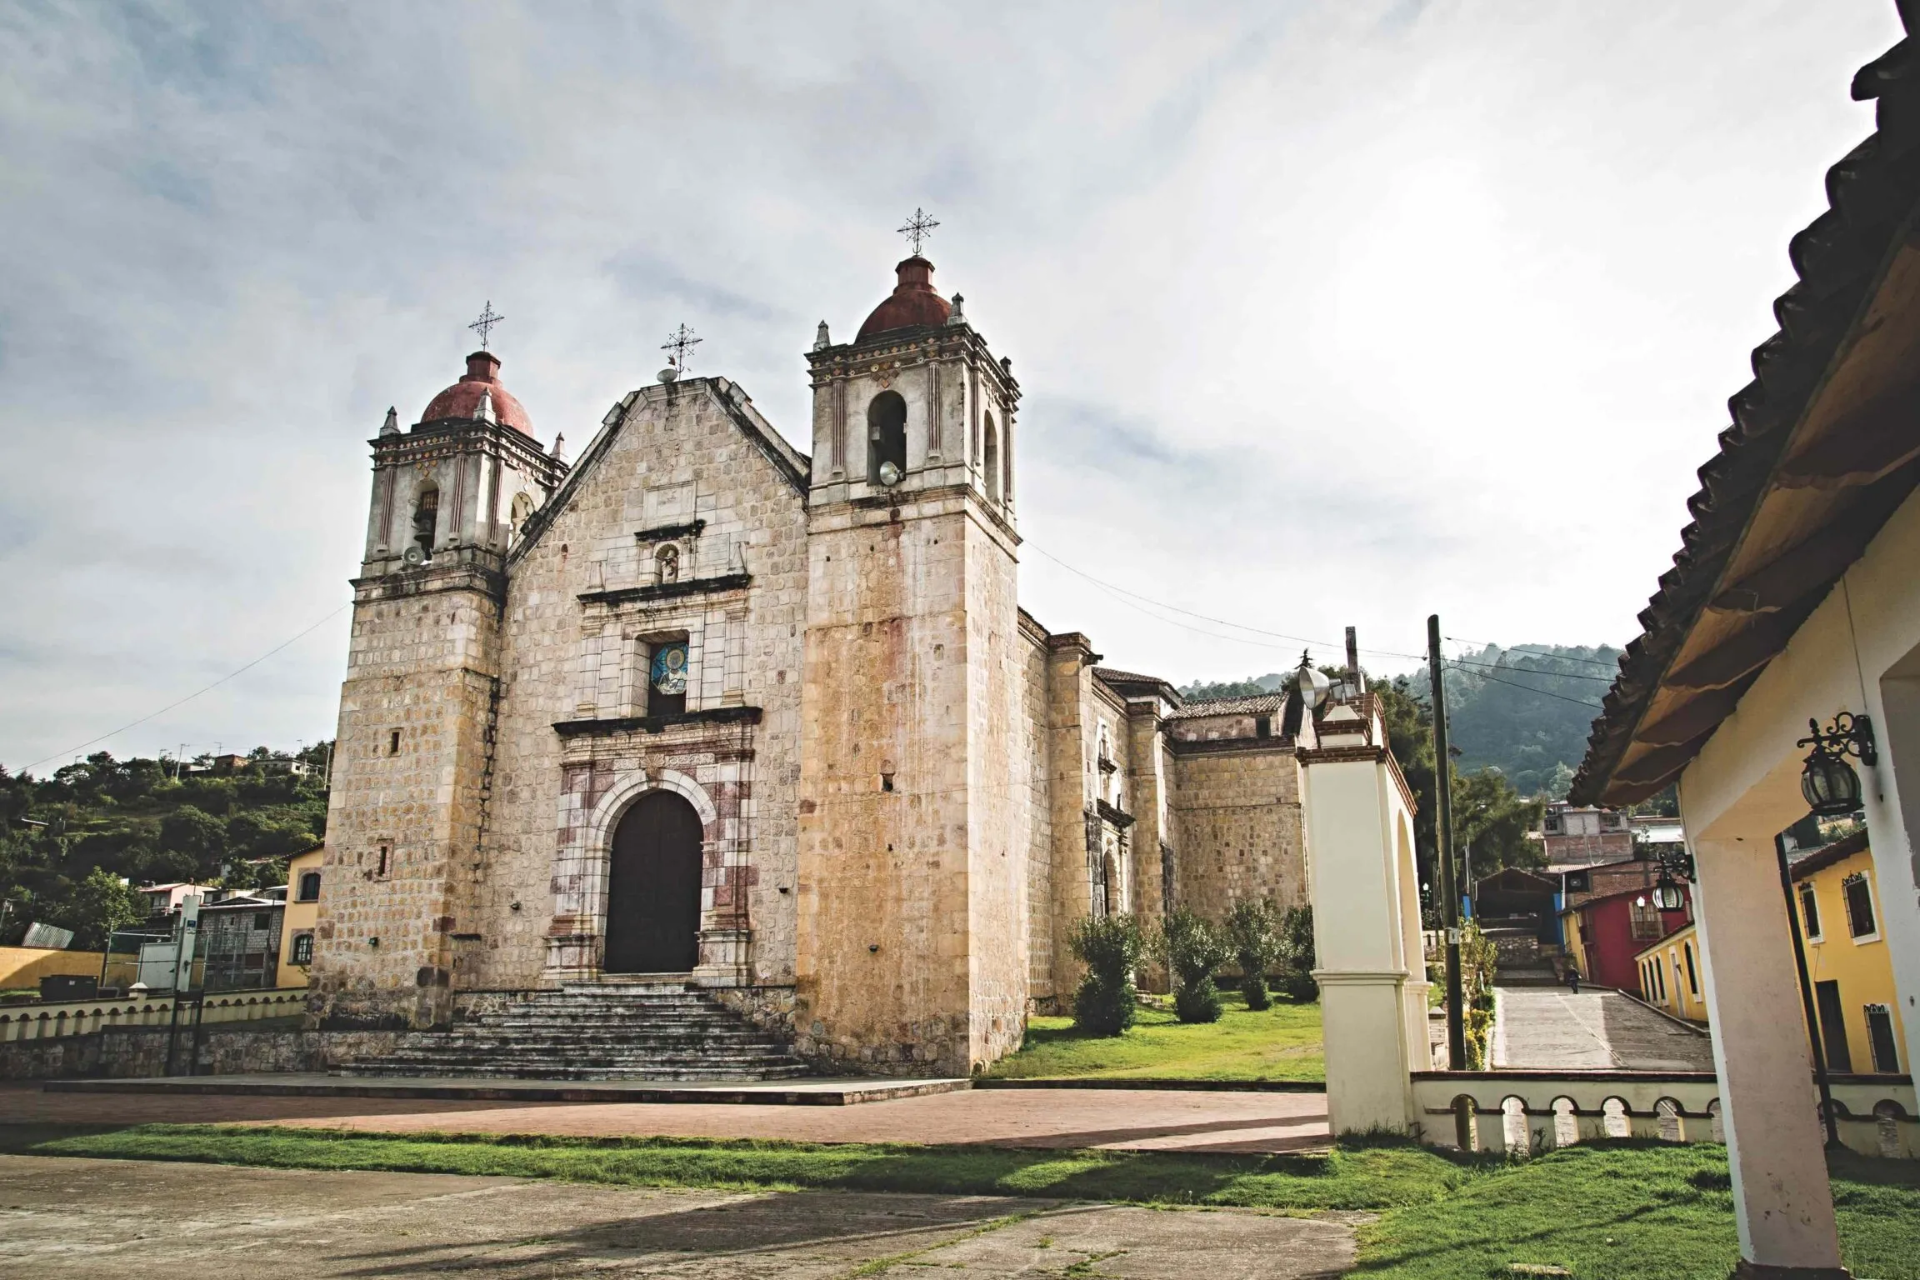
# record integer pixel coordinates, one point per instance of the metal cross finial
(680, 342)
(918, 228)
(485, 323)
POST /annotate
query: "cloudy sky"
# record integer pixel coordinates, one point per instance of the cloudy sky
(1326, 313)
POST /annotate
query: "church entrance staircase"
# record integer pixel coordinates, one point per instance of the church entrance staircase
(596, 1031)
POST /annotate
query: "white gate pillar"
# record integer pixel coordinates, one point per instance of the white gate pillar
(1366, 921)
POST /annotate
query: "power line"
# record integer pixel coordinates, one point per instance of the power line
(1531, 671)
(1580, 702)
(1278, 635)
(196, 693)
(1556, 657)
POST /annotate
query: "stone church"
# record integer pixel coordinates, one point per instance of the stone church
(773, 723)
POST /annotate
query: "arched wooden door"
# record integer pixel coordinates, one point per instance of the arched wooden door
(653, 888)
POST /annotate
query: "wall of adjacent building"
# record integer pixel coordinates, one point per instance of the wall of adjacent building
(1860, 966)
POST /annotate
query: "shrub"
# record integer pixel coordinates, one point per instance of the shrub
(1253, 929)
(1192, 948)
(1297, 956)
(1110, 947)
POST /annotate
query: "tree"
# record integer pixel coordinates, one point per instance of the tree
(1110, 947)
(100, 904)
(1297, 957)
(1253, 929)
(1192, 947)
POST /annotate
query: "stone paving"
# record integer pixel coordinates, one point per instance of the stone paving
(1550, 1027)
(109, 1219)
(1121, 1119)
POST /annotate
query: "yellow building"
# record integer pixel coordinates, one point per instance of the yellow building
(1670, 975)
(303, 912)
(1838, 910)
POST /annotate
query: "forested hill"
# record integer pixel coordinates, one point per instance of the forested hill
(1525, 711)
(70, 838)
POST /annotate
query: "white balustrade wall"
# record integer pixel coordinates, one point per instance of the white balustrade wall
(83, 1017)
(1515, 1112)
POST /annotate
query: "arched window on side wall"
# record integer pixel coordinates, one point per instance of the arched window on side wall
(886, 435)
(990, 459)
(309, 887)
(518, 515)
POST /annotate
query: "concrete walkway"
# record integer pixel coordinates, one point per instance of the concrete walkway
(1550, 1027)
(1121, 1119)
(115, 1219)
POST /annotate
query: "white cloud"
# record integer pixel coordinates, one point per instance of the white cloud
(1326, 313)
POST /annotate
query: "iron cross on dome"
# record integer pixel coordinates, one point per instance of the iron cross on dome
(680, 342)
(484, 325)
(919, 227)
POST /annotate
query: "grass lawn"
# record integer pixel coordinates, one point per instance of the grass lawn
(1281, 1043)
(1606, 1211)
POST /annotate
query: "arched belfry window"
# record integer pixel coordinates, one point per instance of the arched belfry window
(518, 515)
(990, 460)
(886, 435)
(426, 513)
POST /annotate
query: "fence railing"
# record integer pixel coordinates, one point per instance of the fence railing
(1532, 1111)
(83, 1017)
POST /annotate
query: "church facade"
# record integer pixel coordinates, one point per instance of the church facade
(700, 704)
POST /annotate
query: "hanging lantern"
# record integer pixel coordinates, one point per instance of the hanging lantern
(1667, 894)
(1828, 782)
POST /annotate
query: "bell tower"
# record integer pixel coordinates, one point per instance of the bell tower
(413, 759)
(914, 818)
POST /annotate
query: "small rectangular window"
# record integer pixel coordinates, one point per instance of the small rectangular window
(310, 886)
(1886, 1051)
(1660, 978)
(1810, 913)
(385, 864)
(1859, 898)
(393, 743)
(302, 949)
(1693, 977)
(1643, 920)
(262, 921)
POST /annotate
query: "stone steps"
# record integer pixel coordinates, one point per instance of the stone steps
(602, 1031)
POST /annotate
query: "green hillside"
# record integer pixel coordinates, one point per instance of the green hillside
(69, 839)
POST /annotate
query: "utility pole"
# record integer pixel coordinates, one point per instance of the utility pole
(1443, 839)
(1820, 1076)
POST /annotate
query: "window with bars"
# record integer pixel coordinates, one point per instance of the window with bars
(1886, 1051)
(1859, 900)
(1810, 913)
(1643, 919)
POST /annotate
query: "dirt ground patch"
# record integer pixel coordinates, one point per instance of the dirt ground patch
(113, 1218)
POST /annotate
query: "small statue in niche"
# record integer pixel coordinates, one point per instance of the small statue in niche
(667, 561)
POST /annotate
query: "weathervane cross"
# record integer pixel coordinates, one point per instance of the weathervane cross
(484, 325)
(918, 228)
(680, 342)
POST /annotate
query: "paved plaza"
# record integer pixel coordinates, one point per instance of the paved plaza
(1119, 1119)
(1551, 1027)
(107, 1219)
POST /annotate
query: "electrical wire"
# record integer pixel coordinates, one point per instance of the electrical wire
(1591, 662)
(196, 693)
(1581, 702)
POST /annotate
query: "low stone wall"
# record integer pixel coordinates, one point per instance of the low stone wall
(768, 1008)
(57, 1019)
(142, 1051)
(1521, 1111)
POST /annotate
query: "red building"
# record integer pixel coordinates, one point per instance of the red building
(1605, 933)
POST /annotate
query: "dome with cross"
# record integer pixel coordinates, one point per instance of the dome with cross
(478, 395)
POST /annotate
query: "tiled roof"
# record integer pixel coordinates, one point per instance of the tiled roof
(1841, 259)
(1257, 704)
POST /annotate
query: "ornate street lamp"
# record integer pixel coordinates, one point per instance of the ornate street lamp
(1828, 782)
(1675, 865)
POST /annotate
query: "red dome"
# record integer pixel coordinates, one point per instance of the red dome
(912, 303)
(462, 399)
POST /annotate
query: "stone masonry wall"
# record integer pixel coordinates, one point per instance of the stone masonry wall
(999, 818)
(406, 807)
(138, 1052)
(1236, 817)
(679, 455)
(1036, 741)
